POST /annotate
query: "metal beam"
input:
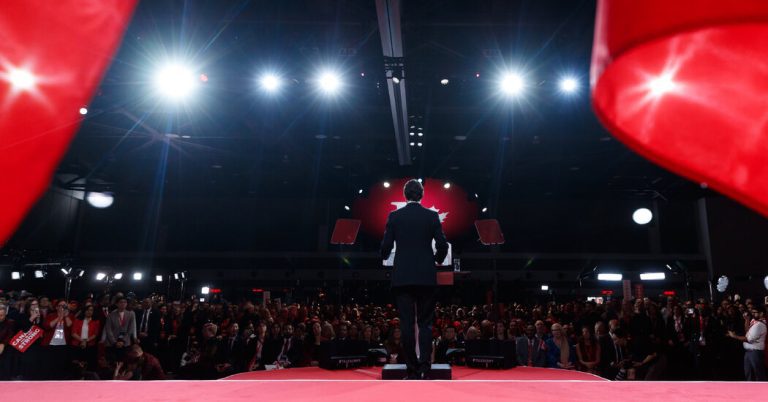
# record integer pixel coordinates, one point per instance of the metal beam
(388, 12)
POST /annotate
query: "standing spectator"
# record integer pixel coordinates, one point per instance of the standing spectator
(7, 331)
(58, 330)
(85, 332)
(120, 329)
(32, 360)
(754, 345)
(147, 326)
(680, 361)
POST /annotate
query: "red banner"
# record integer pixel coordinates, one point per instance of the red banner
(23, 340)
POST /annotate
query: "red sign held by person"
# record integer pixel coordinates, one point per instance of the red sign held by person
(23, 340)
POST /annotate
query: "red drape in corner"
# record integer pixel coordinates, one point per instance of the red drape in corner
(58, 51)
(684, 84)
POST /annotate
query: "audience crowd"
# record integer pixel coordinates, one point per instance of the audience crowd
(116, 337)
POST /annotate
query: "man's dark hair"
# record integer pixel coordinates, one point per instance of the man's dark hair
(413, 190)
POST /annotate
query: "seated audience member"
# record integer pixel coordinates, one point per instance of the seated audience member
(560, 352)
(448, 341)
(312, 345)
(620, 361)
(139, 365)
(531, 349)
(394, 347)
(291, 349)
(588, 352)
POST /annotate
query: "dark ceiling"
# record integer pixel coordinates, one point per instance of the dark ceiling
(236, 169)
(245, 144)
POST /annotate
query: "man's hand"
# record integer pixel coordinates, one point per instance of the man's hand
(2, 348)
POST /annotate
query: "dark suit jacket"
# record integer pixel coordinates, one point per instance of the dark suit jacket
(413, 227)
(539, 358)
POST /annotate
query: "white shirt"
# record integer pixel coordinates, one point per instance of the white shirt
(756, 336)
(84, 331)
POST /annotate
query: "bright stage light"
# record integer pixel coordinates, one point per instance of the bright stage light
(444, 81)
(39, 274)
(642, 216)
(118, 276)
(175, 81)
(652, 276)
(137, 276)
(512, 84)
(485, 209)
(100, 200)
(270, 82)
(83, 111)
(569, 85)
(21, 79)
(15, 275)
(386, 184)
(205, 290)
(545, 287)
(662, 85)
(609, 277)
(418, 144)
(158, 278)
(447, 185)
(329, 82)
(360, 191)
(100, 276)
(346, 207)
(396, 80)
(419, 180)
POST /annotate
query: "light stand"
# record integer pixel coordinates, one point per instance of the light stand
(70, 274)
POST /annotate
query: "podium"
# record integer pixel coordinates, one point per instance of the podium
(344, 233)
(490, 234)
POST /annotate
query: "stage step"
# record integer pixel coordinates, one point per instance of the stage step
(398, 372)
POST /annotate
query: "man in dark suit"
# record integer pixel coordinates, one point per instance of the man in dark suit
(414, 282)
(530, 348)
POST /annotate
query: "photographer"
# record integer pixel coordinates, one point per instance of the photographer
(754, 344)
(58, 331)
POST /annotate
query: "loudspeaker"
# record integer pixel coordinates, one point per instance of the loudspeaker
(490, 354)
(398, 372)
(335, 355)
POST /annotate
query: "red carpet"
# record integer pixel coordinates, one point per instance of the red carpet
(362, 386)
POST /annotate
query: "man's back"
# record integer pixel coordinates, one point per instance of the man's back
(413, 228)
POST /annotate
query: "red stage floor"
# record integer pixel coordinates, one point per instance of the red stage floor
(515, 384)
